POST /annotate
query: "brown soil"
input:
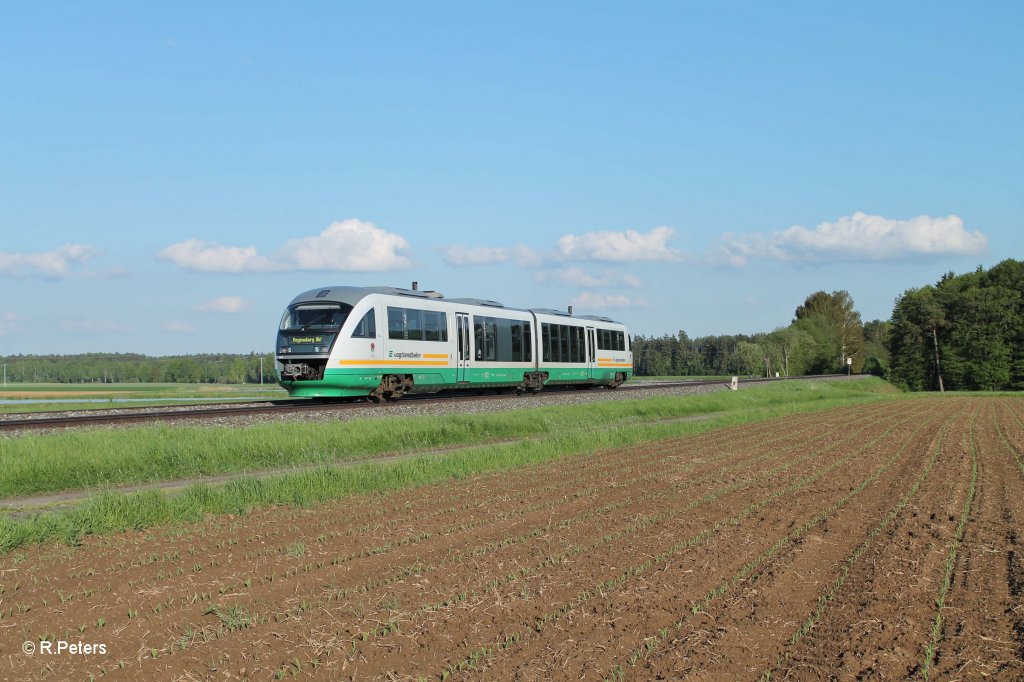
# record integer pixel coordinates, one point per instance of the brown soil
(812, 547)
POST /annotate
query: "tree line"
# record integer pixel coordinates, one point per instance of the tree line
(222, 368)
(825, 333)
(965, 332)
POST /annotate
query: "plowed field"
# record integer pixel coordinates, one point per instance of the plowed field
(874, 542)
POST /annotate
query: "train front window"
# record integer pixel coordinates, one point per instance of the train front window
(315, 317)
(308, 330)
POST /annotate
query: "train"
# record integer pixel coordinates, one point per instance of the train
(381, 343)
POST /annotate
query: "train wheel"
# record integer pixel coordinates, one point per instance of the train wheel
(392, 387)
(619, 378)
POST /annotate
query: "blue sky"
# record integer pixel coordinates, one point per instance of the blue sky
(172, 174)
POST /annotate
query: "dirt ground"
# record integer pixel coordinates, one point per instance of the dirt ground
(875, 542)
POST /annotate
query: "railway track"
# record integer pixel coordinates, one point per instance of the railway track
(106, 416)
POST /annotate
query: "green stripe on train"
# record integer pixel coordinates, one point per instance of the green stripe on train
(352, 383)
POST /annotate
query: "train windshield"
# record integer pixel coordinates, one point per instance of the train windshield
(308, 317)
(309, 329)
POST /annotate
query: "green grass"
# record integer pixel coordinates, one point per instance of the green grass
(85, 459)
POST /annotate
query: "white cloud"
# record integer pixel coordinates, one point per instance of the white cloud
(350, 245)
(592, 301)
(178, 327)
(618, 247)
(486, 255)
(51, 264)
(629, 246)
(580, 277)
(9, 323)
(859, 237)
(346, 246)
(224, 304)
(195, 254)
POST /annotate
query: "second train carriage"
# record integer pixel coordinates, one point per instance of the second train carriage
(383, 342)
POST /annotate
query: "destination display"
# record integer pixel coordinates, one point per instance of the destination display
(305, 344)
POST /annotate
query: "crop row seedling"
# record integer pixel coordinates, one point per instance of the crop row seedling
(753, 567)
(476, 554)
(748, 569)
(272, 578)
(530, 491)
(598, 590)
(402, 574)
(847, 565)
(954, 547)
(607, 538)
(1015, 452)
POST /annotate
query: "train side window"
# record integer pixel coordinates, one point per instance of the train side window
(517, 341)
(491, 327)
(527, 342)
(485, 331)
(563, 343)
(396, 323)
(435, 326)
(480, 336)
(367, 327)
(414, 324)
(545, 342)
(417, 325)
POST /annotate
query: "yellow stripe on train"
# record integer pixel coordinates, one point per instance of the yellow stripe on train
(404, 363)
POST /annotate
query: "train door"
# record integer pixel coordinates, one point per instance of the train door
(591, 353)
(464, 353)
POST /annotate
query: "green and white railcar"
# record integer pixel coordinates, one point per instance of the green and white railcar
(383, 342)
